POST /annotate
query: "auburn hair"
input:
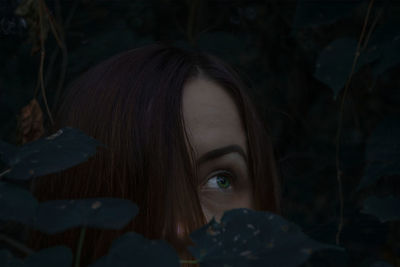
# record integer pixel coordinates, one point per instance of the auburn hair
(132, 103)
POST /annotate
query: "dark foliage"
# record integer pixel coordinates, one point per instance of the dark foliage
(325, 76)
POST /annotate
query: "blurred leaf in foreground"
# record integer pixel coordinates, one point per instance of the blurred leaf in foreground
(8, 260)
(252, 238)
(60, 151)
(132, 249)
(59, 256)
(16, 204)
(106, 213)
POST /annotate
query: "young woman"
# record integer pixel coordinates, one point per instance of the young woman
(184, 143)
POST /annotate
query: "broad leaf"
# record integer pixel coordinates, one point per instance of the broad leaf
(386, 209)
(7, 152)
(132, 249)
(59, 256)
(16, 204)
(60, 151)
(381, 264)
(107, 213)
(252, 238)
(8, 260)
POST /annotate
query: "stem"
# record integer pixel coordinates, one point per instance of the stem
(16, 244)
(42, 55)
(5, 172)
(372, 28)
(80, 245)
(53, 27)
(189, 261)
(339, 173)
(64, 63)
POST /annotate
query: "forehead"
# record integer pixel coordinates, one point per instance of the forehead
(211, 116)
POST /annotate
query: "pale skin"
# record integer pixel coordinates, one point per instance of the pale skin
(215, 127)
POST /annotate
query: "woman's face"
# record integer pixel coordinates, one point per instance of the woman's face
(218, 137)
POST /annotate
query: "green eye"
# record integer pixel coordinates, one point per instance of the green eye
(222, 181)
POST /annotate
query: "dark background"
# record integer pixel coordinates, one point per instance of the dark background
(297, 57)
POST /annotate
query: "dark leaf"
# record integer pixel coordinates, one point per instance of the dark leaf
(376, 170)
(107, 213)
(7, 152)
(386, 41)
(314, 13)
(386, 209)
(16, 204)
(59, 256)
(334, 63)
(8, 260)
(132, 249)
(252, 238)
(382, 152)
(60, 151)
(381, 264)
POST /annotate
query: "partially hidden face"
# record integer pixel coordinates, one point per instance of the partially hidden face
(217, 134)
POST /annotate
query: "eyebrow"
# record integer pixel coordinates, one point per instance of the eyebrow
(222, 151)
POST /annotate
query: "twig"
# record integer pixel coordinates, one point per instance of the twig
(16, 244)
(189, 261)
(42, 55)
(339, 173)
(372, 28)
(63, 71)
(53, 27)
(64, 50)
(4, 172)
(80, 245)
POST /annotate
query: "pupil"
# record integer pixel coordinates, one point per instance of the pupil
(225, 185)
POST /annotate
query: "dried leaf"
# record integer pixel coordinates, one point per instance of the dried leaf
(30, 123)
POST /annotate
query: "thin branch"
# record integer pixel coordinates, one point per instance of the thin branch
(64, 63)
(372, 28)
(339, 172)
(5, 172)
(42, 55)
(61, 79)
(53, 27)
(80, 245)
(62, 27)
(189, 261)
